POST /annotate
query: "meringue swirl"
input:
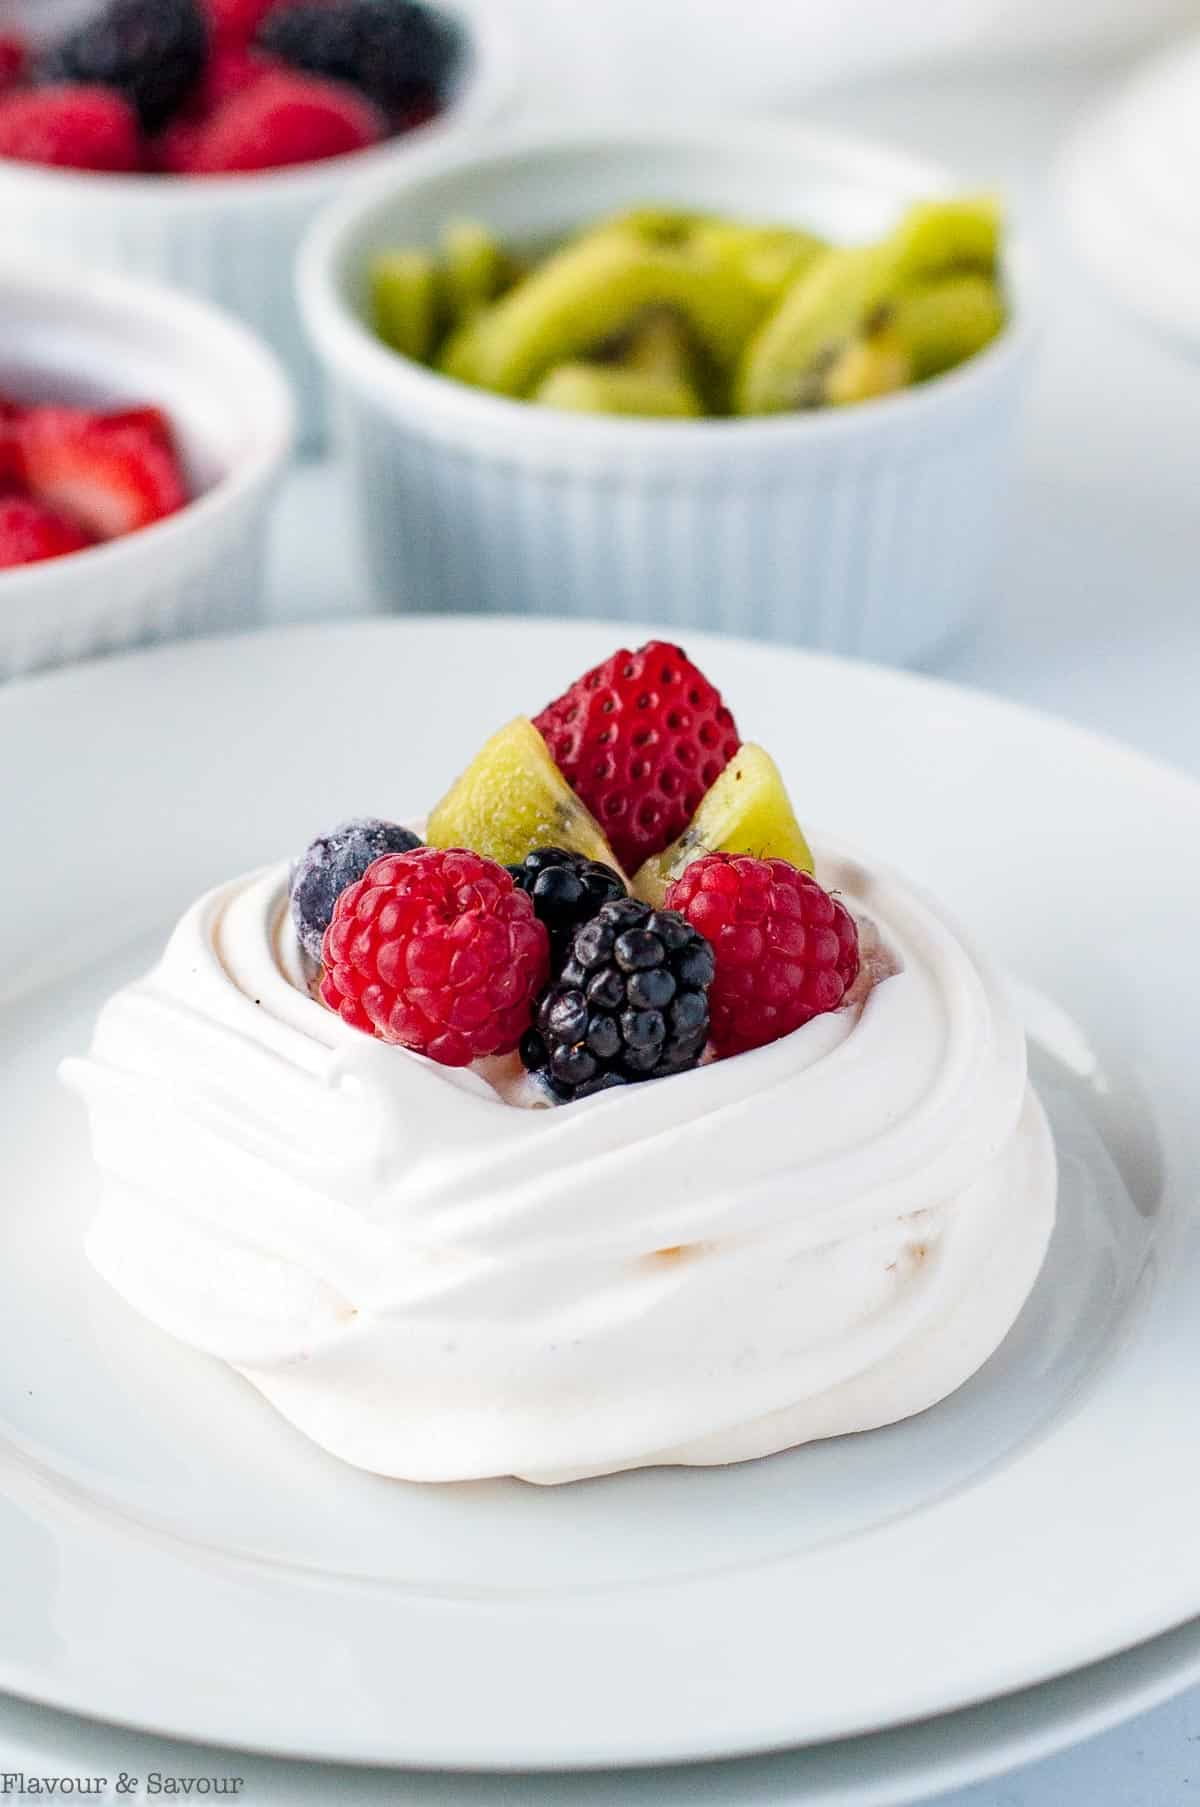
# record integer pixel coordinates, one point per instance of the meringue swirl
(827, 1234)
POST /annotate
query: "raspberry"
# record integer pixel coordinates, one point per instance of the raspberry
(631, 1003)
(640, 739)
(232, 23)
(73, 128)
(13, 59)
(439, 951)
(151, 51)
(567, 890)
(786, 950)
(331, 863)
(281, 119)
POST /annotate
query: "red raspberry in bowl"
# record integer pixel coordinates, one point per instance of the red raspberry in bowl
(278, 120)
(641, 738)
(13, 56)
(71, 127)
(234, 22)
(439, 951)
(785, 950)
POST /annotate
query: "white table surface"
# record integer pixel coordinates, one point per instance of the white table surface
(1097, 619)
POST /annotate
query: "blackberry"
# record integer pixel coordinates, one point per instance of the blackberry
(630, 1003)
(395, 51)
(153, 52)
(331, 863)
(567, 890)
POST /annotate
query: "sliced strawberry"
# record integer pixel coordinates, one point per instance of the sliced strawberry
(11, 413)
(148, 419)
(111, 475)
(30, 532)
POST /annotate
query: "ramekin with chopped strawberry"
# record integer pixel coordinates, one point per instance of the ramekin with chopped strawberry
(222, 87)
(74, 477)
(514, 928)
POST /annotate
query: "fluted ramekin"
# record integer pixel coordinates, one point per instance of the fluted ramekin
(869, 529)
(114, 341)
(233, 239)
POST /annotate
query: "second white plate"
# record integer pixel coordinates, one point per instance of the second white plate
(173, 1555)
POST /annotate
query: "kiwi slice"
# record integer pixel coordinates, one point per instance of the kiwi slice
(823, 310)
(611, 389)
(513, 798)
(472, 272)
(403, 287)
(935, 238)
(875, 362)
(588, 293)
(747, 810)
(943, 323)
(844, 295)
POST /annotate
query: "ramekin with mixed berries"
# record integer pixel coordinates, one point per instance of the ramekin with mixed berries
(193, 140)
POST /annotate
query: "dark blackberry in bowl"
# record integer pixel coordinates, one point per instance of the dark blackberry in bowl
(151, 51)
(397, 52)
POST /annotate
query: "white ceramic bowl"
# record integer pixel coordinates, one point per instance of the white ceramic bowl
(865, 530)
(114, 341)
(233, 239)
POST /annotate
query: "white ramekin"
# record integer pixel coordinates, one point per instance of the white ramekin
(115, 341)
(233, 239)
(867, 530)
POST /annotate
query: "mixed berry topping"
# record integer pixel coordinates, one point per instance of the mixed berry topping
(439, 951)
(721, 941)
(567, 890)
(219, 87)
(70, 477)
(641, 738)
(629, 1004)
(332, 863)
(786, 950)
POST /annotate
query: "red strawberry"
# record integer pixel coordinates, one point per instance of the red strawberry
(71, 127)
(10, 450)
(283, 119)
(147, 419)
(640, 739)
(234, 22)
(30, 532)
(12, 60)
(112, 475)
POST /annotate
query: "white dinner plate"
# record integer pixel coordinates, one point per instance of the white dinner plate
(174, 1556)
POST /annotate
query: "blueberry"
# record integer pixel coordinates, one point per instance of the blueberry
(330, 864)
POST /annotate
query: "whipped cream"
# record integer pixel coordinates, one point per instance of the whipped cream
(824, 1235)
